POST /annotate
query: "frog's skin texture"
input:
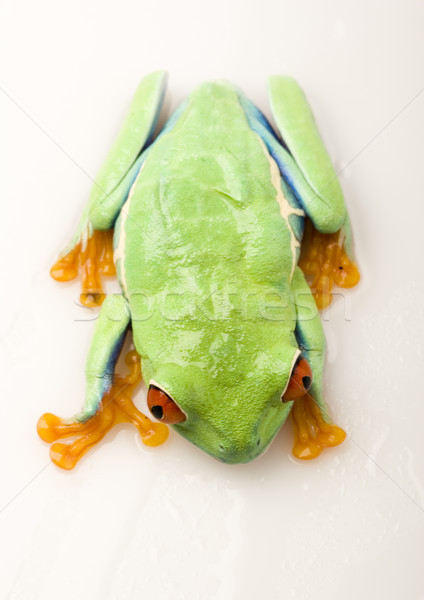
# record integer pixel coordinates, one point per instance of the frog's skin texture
(208, 220)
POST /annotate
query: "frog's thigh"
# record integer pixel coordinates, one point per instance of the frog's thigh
(108, 396)
(326, 249)
(325, 205)
(312, 424)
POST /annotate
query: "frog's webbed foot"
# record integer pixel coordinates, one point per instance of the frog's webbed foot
(311, 433)
(93, 257)
(70, 439)
(325, 263)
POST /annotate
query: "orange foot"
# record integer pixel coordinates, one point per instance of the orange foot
(95, 258)
(325, 263)
(311, 433)
(71, 439)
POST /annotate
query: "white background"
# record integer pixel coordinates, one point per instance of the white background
(132, 522)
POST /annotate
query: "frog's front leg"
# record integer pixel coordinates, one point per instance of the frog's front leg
(313, 428)
(108, 396)
(90, 249)
(306, 166)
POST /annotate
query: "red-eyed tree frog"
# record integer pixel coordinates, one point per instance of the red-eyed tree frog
(208, 219)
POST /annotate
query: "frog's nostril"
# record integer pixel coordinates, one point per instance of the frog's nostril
(157, 411)
(306, 380)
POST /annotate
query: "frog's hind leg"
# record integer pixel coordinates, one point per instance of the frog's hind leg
(90, 249)
(108, 396)
(309, 178)
(313, 427)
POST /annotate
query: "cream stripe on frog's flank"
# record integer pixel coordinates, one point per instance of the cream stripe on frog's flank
(119, 252)
(285, 208)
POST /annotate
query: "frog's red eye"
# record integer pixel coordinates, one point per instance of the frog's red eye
(163, 408)
(300, 380)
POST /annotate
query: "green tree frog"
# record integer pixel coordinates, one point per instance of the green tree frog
(208, 218)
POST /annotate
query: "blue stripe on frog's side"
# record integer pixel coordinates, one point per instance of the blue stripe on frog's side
(281, 156)
(253, 113)
(171, 122)
(110, 366)
(261, 126)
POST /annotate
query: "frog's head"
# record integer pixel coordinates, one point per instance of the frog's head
(230, 409)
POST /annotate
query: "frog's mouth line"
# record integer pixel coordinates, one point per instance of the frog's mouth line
(231, 452)
(224, 461)
(250, 458)
(231, 459)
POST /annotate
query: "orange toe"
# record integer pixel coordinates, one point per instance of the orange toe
(311, 433)
(70, 440)
(93, 260)
(325, 264)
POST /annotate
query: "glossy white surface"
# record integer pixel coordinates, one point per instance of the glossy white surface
(133, 522)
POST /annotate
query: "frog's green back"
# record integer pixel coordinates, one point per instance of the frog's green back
(205, 252)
